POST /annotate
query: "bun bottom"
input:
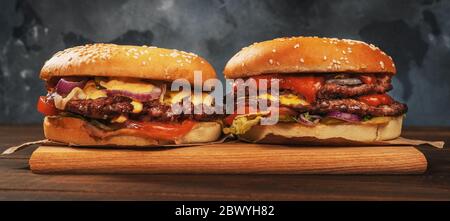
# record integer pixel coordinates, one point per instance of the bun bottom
(339, 134)
(78, 132)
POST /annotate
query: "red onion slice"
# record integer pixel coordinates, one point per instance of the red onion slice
(344, 116)
(152, 95)
(64, 87)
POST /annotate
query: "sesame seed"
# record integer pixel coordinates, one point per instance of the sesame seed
(297, 46)
(343, 52)
(302, 60)
(274, 50)
(373, 47)
(174, 54)
(324, 58)
(382, 64)
(270, 61)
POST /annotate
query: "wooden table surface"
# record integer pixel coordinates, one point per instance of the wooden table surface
(18, 183)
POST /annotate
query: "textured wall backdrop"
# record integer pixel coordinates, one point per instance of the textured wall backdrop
(415, 33)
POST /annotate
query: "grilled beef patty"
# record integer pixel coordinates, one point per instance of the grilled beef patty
(332, 90)
(354, 107)
(101, 108)
(107, 108)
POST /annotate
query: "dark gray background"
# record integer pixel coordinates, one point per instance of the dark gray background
(415, 33)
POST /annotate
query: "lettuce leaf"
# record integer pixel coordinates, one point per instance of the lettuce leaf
(242, 124)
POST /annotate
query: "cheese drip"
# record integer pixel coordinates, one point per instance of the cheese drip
(131, 85)
(285, 99)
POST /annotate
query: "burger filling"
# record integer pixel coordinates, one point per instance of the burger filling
(325, 99)
(124, 103)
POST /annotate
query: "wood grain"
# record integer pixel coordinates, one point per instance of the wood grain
(235, 158)
(19, 183)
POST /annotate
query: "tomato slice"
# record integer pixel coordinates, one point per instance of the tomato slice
(162, 130)
(45, 107)
(367, 79)
(376, 99)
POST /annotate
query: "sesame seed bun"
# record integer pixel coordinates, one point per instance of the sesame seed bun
(78, 132)
(308, 55)
(110, 60)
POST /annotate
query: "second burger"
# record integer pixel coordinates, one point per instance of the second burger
(330, 91)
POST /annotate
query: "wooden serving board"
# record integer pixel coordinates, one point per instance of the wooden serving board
(231, 158)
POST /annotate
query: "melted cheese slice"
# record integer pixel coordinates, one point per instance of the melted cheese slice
(137, 106)
(119, 119)
(173, 97)
(91, 91)
(285, 99)
(131, 85)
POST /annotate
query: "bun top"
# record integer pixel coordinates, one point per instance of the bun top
(308, 55)
(110, 60)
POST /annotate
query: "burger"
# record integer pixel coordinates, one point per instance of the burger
(331, 91)
(118, 95)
